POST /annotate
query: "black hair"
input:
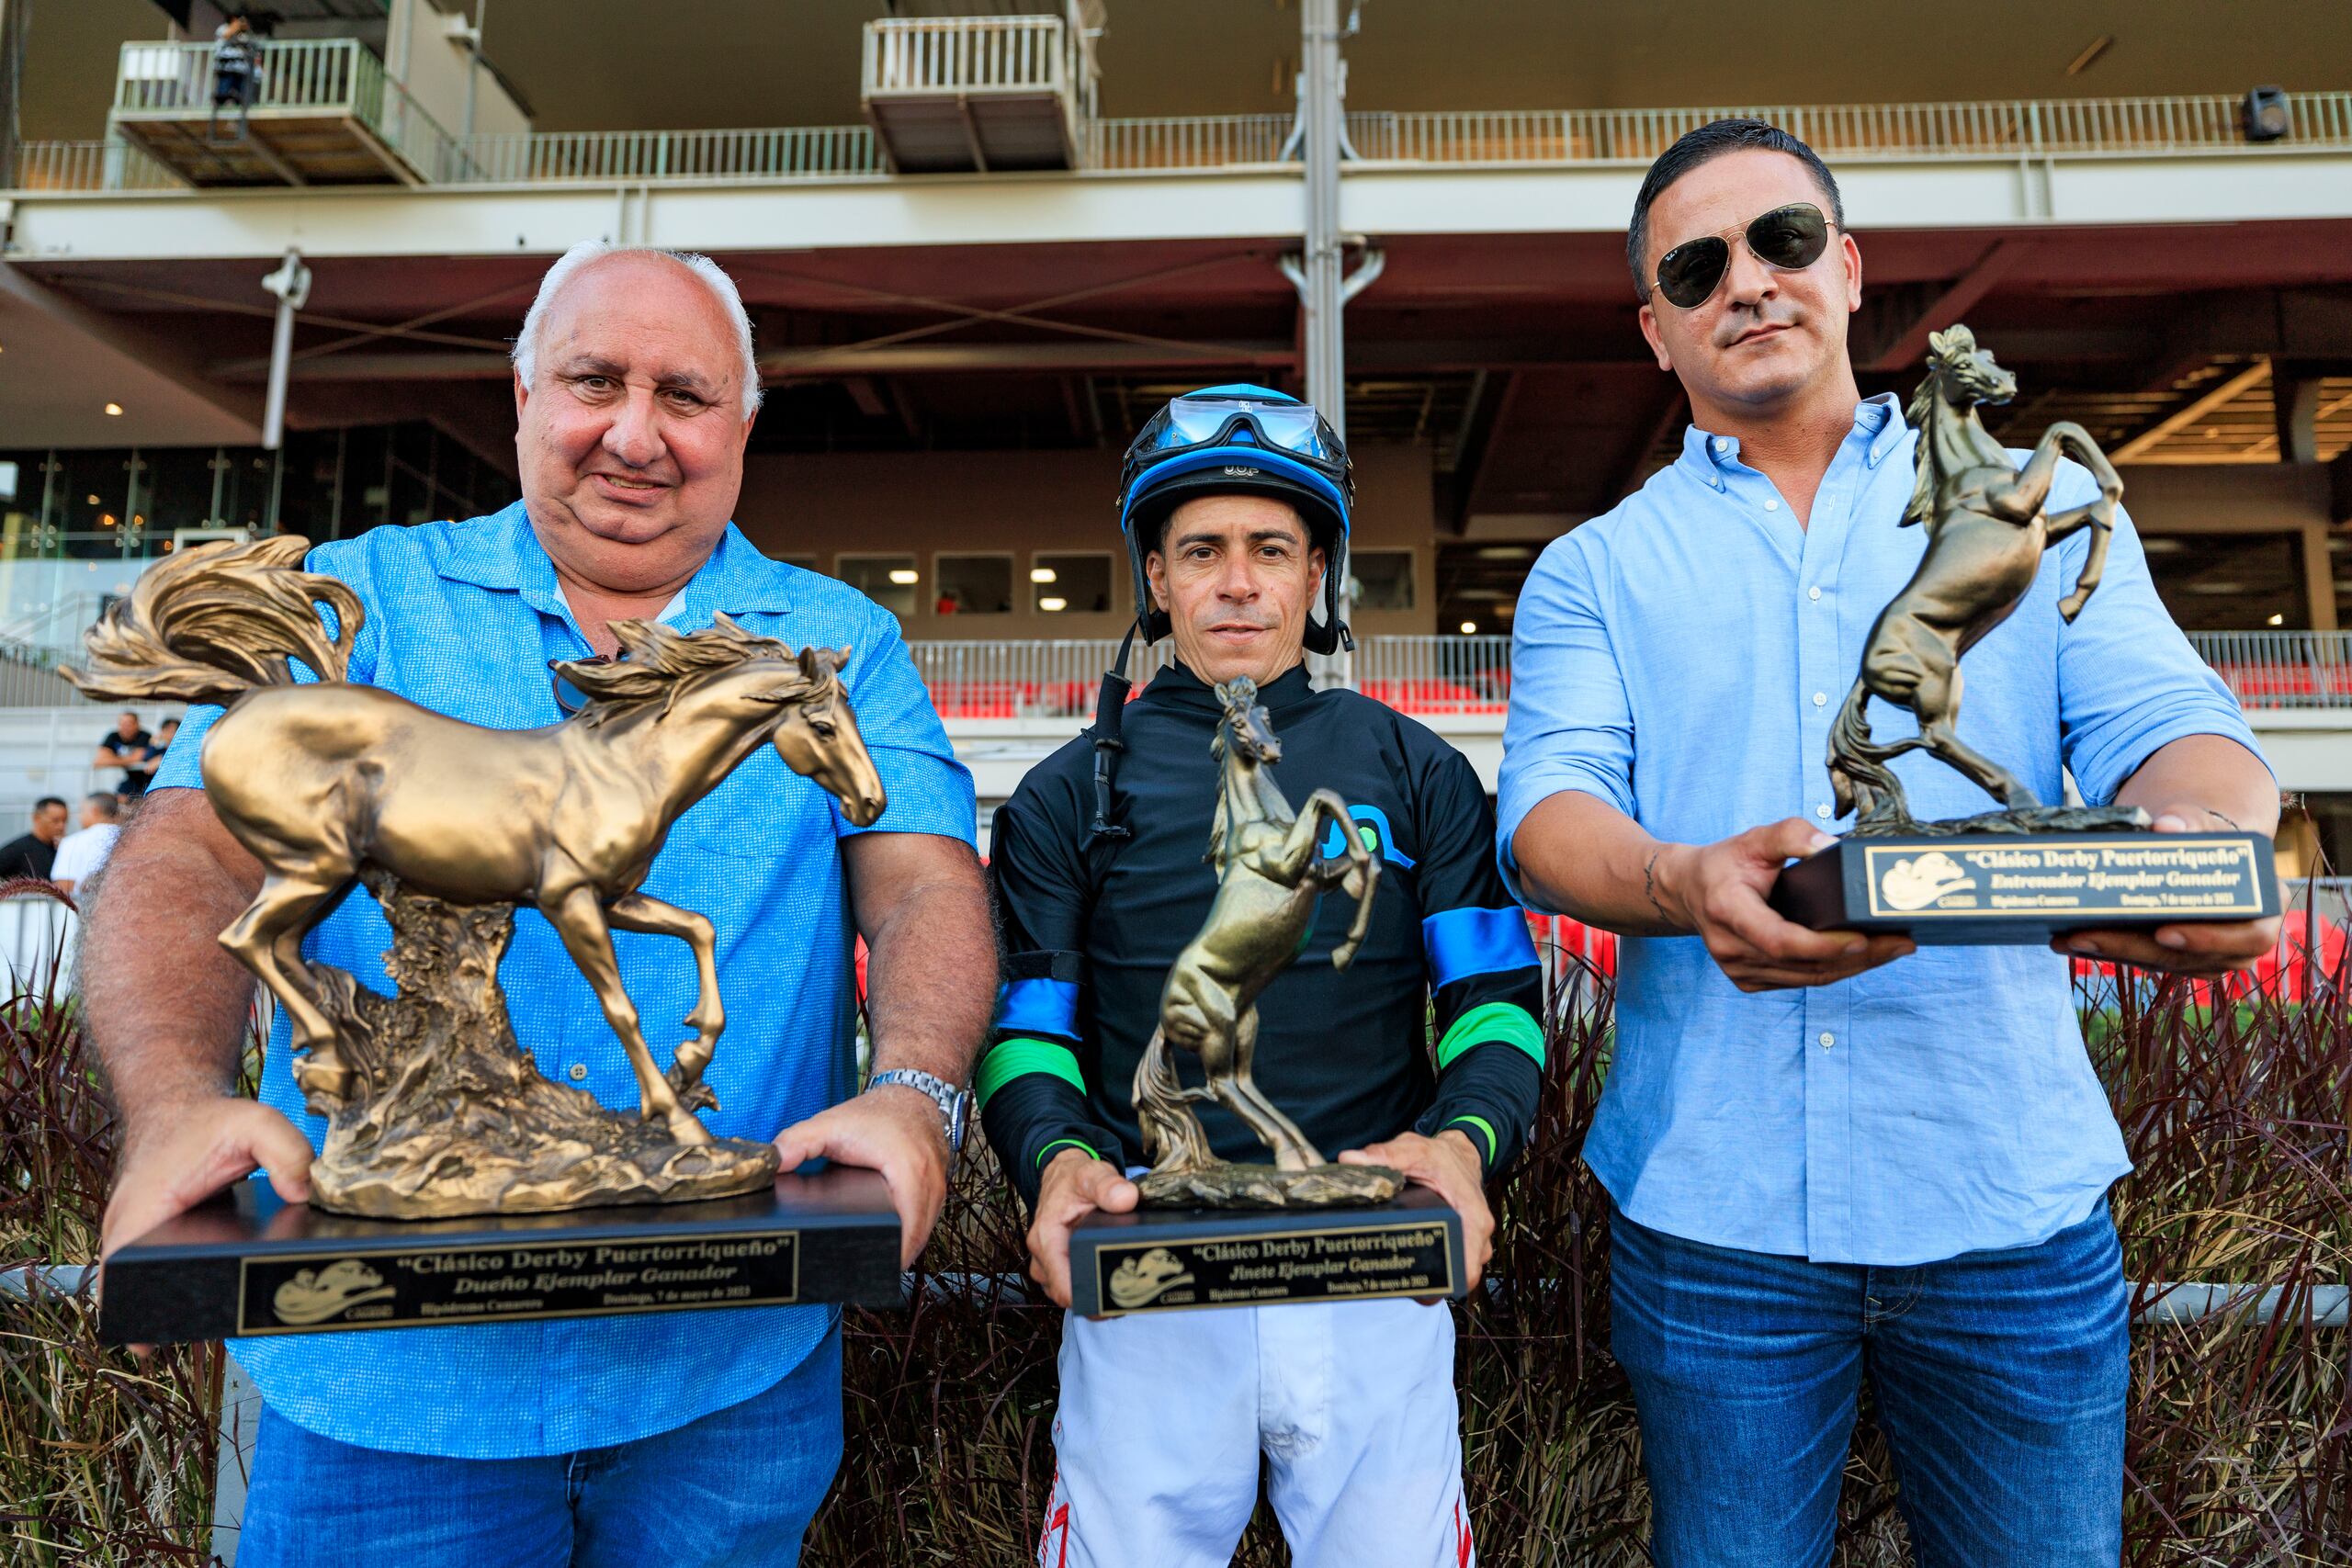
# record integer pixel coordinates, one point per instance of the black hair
(1708, 143)
(46, 801)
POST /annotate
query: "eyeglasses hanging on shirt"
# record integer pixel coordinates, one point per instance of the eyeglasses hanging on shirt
(1789, 238)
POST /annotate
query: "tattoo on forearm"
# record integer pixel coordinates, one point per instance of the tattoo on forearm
(1649, 885)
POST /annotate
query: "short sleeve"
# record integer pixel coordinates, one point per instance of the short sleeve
(1571, 723)
(928, 790)
(2129, 683)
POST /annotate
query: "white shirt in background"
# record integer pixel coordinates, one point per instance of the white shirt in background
(79, 855)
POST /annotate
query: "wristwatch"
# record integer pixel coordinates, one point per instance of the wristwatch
(955, 1104)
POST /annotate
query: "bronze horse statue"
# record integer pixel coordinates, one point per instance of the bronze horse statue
(1270, 879)
(327, 784)
(1986, 531)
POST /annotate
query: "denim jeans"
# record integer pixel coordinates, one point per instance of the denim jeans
(738, 1487)
(2000, 1380)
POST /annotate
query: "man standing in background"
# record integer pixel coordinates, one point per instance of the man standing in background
(81, 853)
(35, 853)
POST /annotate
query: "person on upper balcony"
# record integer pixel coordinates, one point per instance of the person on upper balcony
(1827, 1153)
(1424, 1055)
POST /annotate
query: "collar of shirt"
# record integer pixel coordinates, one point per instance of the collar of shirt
(1713, 460)
(1178, 685)
(502, 551)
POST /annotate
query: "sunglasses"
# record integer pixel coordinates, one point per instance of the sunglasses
(1790, 238)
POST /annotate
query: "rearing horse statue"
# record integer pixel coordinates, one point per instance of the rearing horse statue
(325, 782)
(1987, 530)
(1269, 877)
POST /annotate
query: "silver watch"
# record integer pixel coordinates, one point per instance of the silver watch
(955, 1104)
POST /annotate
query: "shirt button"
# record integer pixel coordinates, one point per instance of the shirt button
(1828, 1040)
(1723, 444)
(579, 1072)
(1771, 505)
(1813, 593)
(1822, 811)
(1820, 699)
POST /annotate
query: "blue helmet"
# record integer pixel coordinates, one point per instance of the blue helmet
(1246, 440)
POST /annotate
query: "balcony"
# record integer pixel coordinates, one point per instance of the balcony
(979, 94)
(324, 113)
(918, 76)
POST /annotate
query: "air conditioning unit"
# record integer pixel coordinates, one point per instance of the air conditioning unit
(182, 539)
(2266, 117)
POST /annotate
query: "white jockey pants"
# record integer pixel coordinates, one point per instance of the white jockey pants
(1163, 1417)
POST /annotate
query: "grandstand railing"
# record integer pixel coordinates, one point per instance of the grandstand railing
(324, 74)
(2281, 670)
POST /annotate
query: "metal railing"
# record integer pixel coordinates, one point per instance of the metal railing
(2281, 670)
(295, 76)
(794, 153)
(943, 51)
(1044, 678)
(89, 165)
(1436, 675)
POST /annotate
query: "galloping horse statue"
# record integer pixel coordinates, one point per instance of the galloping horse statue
(1269, 878)
(329, 782)
(1987, 530)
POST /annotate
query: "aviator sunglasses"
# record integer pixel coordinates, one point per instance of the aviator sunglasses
(1790, 238)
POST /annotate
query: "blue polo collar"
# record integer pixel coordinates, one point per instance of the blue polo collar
(1878, 421)
(501, 552)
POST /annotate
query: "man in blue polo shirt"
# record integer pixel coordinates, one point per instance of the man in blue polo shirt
(699, 1438)
(1822, 1166)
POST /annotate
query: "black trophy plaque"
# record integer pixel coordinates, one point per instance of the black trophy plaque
(246, 1263)
(1179, 1259)
(1989, 888)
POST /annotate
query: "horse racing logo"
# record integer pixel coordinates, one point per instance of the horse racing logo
(1146, 1277)
(315, 1295)
(1917, 881)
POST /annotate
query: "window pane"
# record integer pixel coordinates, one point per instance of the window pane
(1383, 580)
(1078, 585)
(975, 585)
(888, 580)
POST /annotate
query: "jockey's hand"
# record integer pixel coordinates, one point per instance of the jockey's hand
(893, 1128)
(1449, 1166)
(2204, 950)
(180, 1153)
(1717, 891)
(1075, 1185)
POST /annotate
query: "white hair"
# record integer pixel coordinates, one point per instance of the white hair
(713, 276)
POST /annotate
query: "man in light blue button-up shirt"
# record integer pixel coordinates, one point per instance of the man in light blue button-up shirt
(1827, 1151)
(676, 1437)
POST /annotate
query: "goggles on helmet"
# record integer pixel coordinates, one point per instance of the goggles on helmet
(1199, 421)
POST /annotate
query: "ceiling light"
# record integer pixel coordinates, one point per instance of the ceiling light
(92, 500)
(1041, 574)
(1469, 628)
(114, 407)
(1504, 552)
(2278, 620)
(1052, 605)
(903, 577)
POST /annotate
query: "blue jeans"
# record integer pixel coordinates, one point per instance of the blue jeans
(2000, 1379)
(738, 1487)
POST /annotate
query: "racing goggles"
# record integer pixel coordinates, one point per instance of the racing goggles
(1790, 238)
(1194, 424)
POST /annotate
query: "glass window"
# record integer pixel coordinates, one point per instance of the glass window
(888, 580)
(974, 585)
(1076, 585)
(1381, 580)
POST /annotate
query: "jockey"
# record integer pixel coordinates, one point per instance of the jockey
(1425, 1054)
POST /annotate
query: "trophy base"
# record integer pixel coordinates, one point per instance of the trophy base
(1992, 881)
(245, 1264)
(1183, 1259)
(1225, 1186)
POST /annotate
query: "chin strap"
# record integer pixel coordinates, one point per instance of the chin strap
(1110, 709)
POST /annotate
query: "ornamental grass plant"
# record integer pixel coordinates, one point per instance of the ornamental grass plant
(2234, 1107)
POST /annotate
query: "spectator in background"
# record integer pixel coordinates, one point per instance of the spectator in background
(82, 853)
(129, 747)
(236, 70)
(35, 855)
(166, 733)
